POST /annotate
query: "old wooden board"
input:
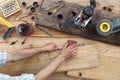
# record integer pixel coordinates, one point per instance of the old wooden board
(66, 23)
(100, 73)
(14, 19)
(86, 56)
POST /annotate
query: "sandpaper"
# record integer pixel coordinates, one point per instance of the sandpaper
(63, 20)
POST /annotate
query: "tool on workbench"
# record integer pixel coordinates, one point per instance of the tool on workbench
(32, 9)
(107, 27)
(41, 5)
(85, 15)
(35, 4)
(23, 42)
(10, 27)
(43, 30)
(25, 29)
(14, 42)
(10, 7)
(54, 9)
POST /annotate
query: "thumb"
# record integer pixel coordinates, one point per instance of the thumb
(57, 48)
(66, 44)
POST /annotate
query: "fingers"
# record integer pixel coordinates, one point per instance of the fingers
(75, 48)
(74, 52)
(65, 46)
(57, 48)
(72, 46)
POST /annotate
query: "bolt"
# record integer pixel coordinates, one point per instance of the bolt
(33, 9)
(35, 4)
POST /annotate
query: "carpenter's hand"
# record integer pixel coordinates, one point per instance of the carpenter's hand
(68, 52)
(50, 47)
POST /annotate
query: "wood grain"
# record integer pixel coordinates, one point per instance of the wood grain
(100, 73)
(86, 56)
(110, 52)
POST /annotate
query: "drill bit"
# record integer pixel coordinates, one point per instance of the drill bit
(23, 42)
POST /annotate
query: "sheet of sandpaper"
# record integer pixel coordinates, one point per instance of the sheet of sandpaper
(66, 24)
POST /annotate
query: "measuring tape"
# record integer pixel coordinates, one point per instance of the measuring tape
(6, 23)
(10, 27)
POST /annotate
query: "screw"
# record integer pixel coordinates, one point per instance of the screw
(33, 9)
(35, 4)
(23, 42)
(13, 43)
(29, 7)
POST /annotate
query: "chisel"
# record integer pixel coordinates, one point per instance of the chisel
(10, 28)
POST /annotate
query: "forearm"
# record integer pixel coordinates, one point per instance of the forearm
(21, 54)
(51, 68)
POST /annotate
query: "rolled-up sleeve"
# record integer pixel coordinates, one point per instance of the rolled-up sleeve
(3, 58)
(22, 77)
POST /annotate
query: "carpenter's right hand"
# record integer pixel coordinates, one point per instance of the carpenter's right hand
(68, 52)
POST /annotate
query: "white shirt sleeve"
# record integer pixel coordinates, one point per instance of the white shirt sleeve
(22, 77)
(3, 58)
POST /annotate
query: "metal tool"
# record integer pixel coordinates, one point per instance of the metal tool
(23, 42)
(107, 27)
(41, 4)
(14, 42)
(85, 15)
(43, 30)
(55, 8)
(10, 27)
(35, 4)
